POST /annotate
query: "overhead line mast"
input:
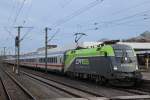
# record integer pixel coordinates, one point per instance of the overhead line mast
(46, 44)
(17, 44)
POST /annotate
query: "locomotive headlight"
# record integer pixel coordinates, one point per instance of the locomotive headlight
(136, 67)
(115, 68)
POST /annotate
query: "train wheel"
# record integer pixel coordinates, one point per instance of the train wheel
(103, 80)
(97, 80)
(138, 82)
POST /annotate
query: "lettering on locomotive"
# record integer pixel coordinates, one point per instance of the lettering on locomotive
(82, 61)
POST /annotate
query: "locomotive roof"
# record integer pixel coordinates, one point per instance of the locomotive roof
(121, 46)
(51, 53)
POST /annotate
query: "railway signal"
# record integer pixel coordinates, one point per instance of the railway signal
(17, 41)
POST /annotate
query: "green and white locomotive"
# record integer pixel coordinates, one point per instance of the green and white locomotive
(116, 63)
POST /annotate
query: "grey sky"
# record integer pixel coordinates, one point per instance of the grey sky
(115, 19)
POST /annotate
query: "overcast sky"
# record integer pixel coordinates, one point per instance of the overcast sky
(113, 19)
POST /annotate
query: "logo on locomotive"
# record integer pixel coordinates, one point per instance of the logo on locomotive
(82, 61)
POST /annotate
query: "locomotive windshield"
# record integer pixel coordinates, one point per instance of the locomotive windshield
(125, 60)
(124, 56)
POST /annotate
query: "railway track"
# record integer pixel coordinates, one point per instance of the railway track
(141, 90)
(138, 93)
(13, 89)
(132, 90)
(144, 89)
(22, 87)
(76, 92)
(4, 94)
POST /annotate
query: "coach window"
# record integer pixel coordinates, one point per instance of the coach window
(40, 59)
(43, 59)
(60, 59)
(55, 59)
(52, 60)
(48, 60)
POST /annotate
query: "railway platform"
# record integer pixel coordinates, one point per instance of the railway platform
(146, 76)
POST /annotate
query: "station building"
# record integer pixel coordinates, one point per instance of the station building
(142, 50)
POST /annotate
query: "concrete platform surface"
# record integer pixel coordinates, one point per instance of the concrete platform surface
(146, 76)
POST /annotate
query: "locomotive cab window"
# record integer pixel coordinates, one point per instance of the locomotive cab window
(124, 56)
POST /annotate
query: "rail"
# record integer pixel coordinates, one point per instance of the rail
(5, 90)
(76, 94)
(21, 86)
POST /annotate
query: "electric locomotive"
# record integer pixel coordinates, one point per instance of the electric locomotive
(115, 63)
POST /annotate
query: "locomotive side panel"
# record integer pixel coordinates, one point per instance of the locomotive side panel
(93, 61)
(92, 65)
